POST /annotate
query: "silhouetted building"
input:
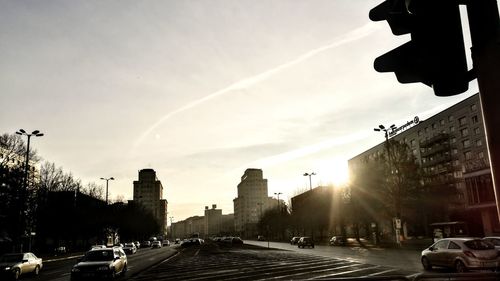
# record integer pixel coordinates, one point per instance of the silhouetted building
(148, 191)
(252, 202)
(451, 148)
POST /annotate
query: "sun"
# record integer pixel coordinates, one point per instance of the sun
(334, 171)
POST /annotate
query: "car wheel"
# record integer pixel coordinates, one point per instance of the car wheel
(426, 263)
(16, 274)
(36, 271)
(312, 246)
(460, 267)
(124, 270)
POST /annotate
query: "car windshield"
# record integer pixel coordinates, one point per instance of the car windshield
(11, 258)
(479, 245)
(98, 256)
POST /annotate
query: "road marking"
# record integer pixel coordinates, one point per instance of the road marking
(195, 254)
(344, 272)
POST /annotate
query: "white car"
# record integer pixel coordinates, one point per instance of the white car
(156, 244)
(16, 265)
(129, 248)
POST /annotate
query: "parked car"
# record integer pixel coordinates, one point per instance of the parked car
(100, 263)
(261, 238)
(191, 242)
(129, 248)
(146, 243)
(462, 254)
(137, 244)
(294, 240)
(305, 242)
(493, 240)
(14, 266)
(338, 241)
(155, 244)
(166, 243)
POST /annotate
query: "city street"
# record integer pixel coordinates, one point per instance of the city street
(247, 262)
(60, 269)
(399, 258)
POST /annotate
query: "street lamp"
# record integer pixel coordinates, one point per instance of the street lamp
(107, 180)
(172, 228)
(278, 194)
(310, 175)
(35, 133)
(397, 220)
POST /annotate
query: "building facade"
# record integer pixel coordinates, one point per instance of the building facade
(252, 202)
(148, 191)
(451, 149)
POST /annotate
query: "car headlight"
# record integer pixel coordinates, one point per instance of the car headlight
(103, 268)
(75, 269)
(7, 268)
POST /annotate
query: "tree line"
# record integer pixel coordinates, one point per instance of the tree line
(57, 208)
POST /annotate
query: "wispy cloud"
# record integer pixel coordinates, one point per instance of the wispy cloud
(355, 34)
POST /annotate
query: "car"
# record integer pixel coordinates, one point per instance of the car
(100, 263)
(338, 241)
(294, 240)
(98, 247)
(155, 244)
(166, 243)
(305, 242)
(15, 265)
(462, 254)
(130, 248)
(137, 244)
(191, 242)
(146, 243)
(177, 241)
(261, 238)
(495, 240)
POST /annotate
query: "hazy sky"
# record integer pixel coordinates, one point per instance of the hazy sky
(202, 90)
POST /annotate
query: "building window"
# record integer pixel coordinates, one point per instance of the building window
(427, 129)
(468, 155)
(480, 155)
(441, 121)
(434, 125)
(466, 143)
(473, 107)
(456, 162)
(453, 140)
(443, 131)
(462, 121)
(474, 119)
(452, 129)
(464, 132)
(454, 151)
(450, 118)
(479, 142)
(477, 131)
(419, 133)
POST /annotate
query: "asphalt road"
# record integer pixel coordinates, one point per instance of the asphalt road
(60, 269)
(214, 261)
(397, 258)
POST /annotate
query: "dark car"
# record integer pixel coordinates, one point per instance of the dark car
(338, 241)
(13, 266)
(305, 242)
(101, 263)
(294, 240)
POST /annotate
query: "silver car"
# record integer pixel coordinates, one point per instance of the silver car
(461, 254)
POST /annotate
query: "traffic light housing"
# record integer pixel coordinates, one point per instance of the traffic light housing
(435, 55)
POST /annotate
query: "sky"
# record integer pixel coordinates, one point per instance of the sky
(199, 91)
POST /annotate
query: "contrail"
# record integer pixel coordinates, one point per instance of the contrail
(355, 34)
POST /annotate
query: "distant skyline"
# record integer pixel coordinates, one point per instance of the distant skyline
(199, 91)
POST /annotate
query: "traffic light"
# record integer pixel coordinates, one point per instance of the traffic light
(435, 55)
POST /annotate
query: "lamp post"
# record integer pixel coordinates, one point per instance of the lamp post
(107, 180)
(310, 175)
(35, 133)
(172, 228)
(278, 194)
(396, 219)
